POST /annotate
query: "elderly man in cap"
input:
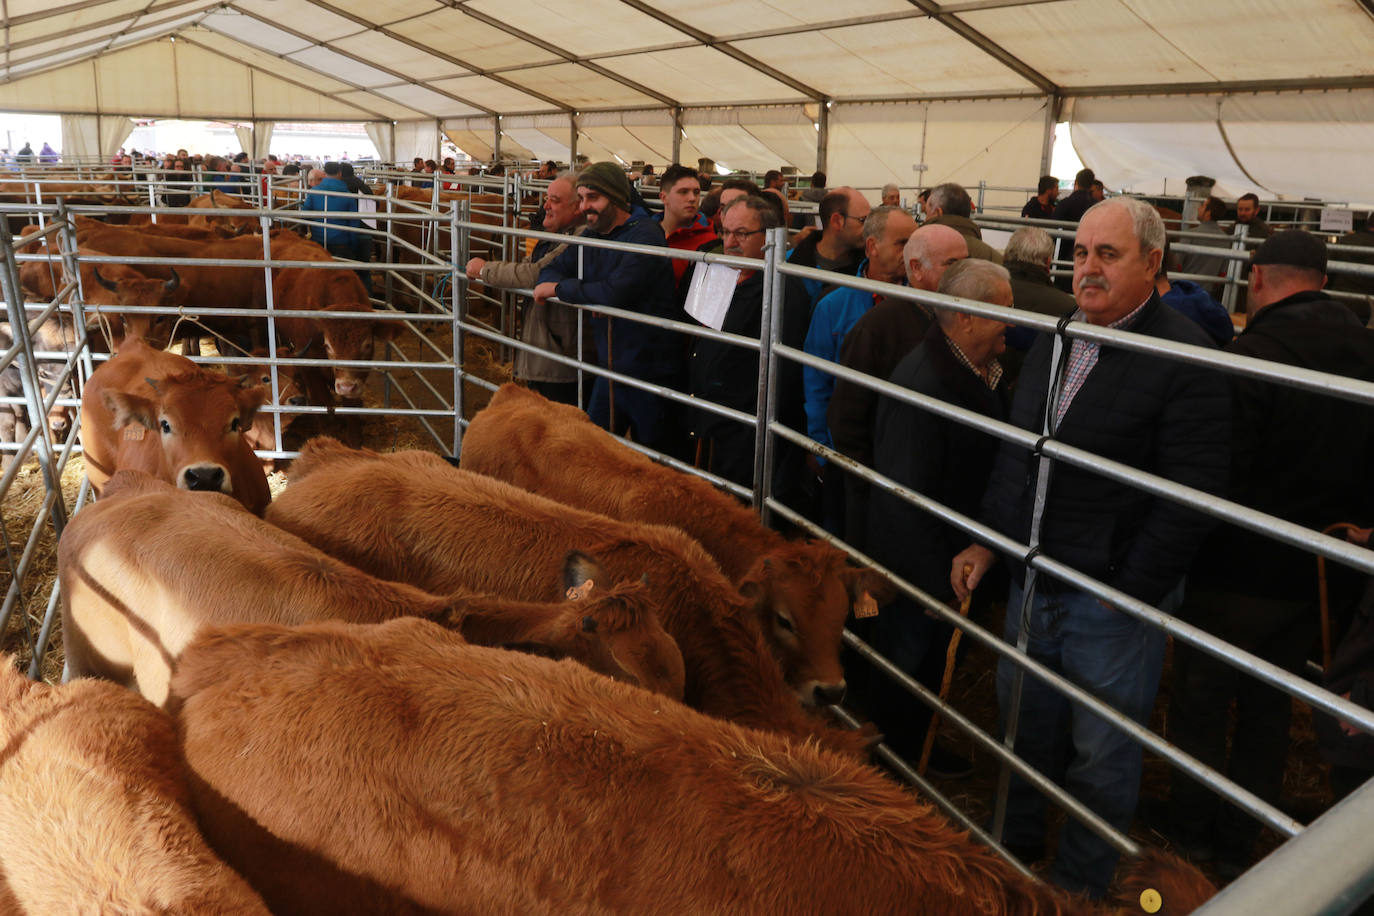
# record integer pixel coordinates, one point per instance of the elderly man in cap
(1301, 456)
(1162, 416)
(631, 282)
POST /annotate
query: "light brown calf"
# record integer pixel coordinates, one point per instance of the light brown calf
(148, 566)
(462, 781)
(410, 516)
(801, 592)
(157, 412)
(94, 812)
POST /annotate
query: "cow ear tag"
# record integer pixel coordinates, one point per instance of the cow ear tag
(134, 432)
(865, 606)
(1150, 901)
(580, 592)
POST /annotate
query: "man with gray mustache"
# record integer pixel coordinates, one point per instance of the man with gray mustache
(1162, 416)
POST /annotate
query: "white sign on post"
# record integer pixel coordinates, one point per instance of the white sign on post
(708, 298)
(367, 204)
(1337, 220)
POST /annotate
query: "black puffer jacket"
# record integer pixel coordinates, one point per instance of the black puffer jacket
(1302, 456)
(1162, 416)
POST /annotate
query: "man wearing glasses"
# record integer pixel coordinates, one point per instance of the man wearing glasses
(726, 373)
(839, 246)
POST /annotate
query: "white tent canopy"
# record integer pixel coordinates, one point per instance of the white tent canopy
(1155, 89)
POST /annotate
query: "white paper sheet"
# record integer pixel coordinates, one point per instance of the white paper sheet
(708, 298)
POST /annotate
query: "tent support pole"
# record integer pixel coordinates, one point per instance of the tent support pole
(1054, 104)
(496, 142)
(677, 135)
(823, 137)
(572, 141)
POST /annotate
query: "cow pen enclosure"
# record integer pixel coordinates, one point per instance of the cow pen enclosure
(452, 349)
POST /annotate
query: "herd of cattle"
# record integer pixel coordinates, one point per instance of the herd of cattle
(561, 678)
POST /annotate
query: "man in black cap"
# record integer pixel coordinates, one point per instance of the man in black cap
(1301, 456)
(631, 282)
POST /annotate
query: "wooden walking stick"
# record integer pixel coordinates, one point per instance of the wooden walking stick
(949, 676)
(1324, 600)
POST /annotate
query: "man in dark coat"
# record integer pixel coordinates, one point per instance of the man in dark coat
(947, 462)
(1028, 258)
(1041, 206)
(630, 282)
(950, 205)
(1162, 416)
(1303, 457)
(1072, 208)
(727, 373)
(875, 345)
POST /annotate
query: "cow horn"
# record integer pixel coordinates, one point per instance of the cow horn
(305, 347)
(111, 286)
(172, 283)
(151, 384)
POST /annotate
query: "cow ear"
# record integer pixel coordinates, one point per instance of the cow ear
(249, 400)
(868, 589)
(756, 587)
(580, 573)
(129, 409)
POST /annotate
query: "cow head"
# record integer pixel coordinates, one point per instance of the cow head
(634, 646)
(353, 339)
(134, 289)
(290, 392)
(802, 593)
(199, 417)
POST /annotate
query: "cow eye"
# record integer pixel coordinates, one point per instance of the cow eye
(234, 425)
(166, 427)
(785, 623)
(267, 379)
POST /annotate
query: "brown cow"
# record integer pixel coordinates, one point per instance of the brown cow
(336, 339)
(459, 781)
(53, 335)
(221, 221)
(148, 566)
(410, 516)
(801, 592)
(157, 412)
(94, 812)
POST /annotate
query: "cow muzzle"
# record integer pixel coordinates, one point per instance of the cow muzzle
(347, 387)
(207, 477)
(824, 694)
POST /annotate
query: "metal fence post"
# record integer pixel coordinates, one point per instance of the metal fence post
(265, 225)
(1231, 294)
(770, 321)
(72, 274)
(462, 245)
(33, 391)
(1012, 714)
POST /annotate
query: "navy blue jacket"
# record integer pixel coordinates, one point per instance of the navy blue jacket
(632, 282)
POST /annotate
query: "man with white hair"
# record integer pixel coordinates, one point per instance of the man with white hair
(948, 462)
(1028, 257)
(875, 345)
(1158, 415)
(892, 195)
(950, 205)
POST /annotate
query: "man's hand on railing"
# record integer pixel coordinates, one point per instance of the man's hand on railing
(968, 569)
(545, 291)
(474, 268)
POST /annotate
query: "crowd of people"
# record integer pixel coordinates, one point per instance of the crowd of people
(1295, 454)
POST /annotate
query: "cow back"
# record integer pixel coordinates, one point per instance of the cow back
(450, 786)
(440, 528)
(94, 811)
(148, 565)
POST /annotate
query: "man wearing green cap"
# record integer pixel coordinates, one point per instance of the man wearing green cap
(632, 282)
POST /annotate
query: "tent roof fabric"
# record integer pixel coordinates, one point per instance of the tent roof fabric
(416, 59)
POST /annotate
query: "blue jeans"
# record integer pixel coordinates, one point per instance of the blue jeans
(1117, 659)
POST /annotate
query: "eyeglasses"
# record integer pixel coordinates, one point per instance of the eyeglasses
(740, 233)
(856, 218)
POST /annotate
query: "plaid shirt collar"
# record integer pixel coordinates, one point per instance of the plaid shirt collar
(1083, 356)
(989, 375)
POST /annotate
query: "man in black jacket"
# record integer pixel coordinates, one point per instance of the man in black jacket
(1161, 416)
(947, 462)
(1303, 457)
(727, 373)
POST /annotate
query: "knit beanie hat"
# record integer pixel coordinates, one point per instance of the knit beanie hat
(608, 178)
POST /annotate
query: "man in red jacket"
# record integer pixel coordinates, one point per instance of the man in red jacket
(683, 225)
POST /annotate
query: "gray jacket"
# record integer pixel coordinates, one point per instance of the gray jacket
(550, 327)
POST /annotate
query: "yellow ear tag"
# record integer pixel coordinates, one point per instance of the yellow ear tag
(134, 433)
(1150, 901)
(865, 606)
(580, 592)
